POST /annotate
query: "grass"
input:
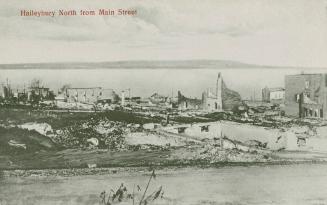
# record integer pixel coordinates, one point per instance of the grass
(76, 158)
(122, 194)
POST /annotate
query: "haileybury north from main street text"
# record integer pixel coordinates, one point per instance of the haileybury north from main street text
(74, 12)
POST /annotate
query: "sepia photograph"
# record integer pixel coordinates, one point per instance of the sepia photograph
(174, 102)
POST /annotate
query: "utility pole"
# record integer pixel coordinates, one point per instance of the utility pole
(300, 105)
(123, 98)
(219, 85)
(129, 95)
(17, 96)
(221, 140)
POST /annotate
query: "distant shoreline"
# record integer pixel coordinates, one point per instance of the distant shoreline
(148, 64)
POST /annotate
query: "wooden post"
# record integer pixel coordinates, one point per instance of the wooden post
(301, 96)
(221, 140)
(134, 194)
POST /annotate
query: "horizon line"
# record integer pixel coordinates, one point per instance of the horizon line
(226, 64)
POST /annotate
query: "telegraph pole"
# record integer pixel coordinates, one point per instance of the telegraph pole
(300, 105)
(221, 140)
(129, 95)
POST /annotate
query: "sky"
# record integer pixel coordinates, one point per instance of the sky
(289, 33)
(265, 32)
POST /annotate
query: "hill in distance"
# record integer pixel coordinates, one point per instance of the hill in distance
(183, 64)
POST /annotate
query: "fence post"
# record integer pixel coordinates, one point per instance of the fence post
(221, 140)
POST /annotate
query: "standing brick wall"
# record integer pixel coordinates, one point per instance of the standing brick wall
(296, 84)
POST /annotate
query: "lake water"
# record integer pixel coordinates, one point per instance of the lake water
(275, 184)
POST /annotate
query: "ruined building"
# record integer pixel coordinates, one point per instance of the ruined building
(212, 101)
(91, 95)
(217, 100)
(273, 95)
(222, 99)
(39, 93)
(306, 95)
(157, 98)
(6, 92)
(185, 103)
(32, 94)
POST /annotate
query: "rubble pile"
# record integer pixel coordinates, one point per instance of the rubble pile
(215, 154)
(75, 105)
(212, 153)
(152, 139)
(42, 128)
(95, 133)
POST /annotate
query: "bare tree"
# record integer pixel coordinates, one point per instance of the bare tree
(36, 83)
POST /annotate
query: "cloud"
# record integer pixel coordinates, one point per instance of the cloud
(256, 31)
